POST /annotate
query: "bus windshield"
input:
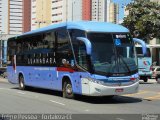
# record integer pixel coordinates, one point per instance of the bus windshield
(112, 54)
(140, 53)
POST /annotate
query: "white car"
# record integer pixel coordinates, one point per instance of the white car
(155, 71)
(158, 79)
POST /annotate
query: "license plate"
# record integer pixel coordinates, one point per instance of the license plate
(119, 90)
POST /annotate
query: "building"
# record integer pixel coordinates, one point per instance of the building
(74, 14)
(15, 17)
(14, 20)
(45, 12)
(86, 9)
(4, 16)
(66, 10)
(113, 13)
(58, 9)
(104, 11)
(26, 16)
(40, 13)
(99, 10)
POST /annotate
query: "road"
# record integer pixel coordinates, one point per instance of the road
(38, 101)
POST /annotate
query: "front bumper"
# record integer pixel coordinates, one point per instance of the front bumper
(95, 89)
(147, 74)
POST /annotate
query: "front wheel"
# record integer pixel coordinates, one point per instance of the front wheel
(21, 83)
(68, 90)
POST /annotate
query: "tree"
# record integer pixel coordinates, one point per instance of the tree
(144, 18)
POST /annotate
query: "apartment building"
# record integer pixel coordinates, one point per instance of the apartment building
(14, 16)
(66, 10)
(4, 16)
(58, 11)
(40, 13)
(86, 9)
(26, 16)
(99, 10)
(113, 12)
(45, 12)
(104, 11)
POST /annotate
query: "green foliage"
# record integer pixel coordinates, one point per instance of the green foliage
(144, 17)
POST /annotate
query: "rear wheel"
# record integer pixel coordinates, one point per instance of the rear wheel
(21, 83)
(68, 90)
(145, 79)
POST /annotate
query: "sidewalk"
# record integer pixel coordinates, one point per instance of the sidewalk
(3, 79)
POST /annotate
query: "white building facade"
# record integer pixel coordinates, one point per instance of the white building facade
(15, 16)
(100, 10)
(4, 16)
(66, 10)
(33, 15)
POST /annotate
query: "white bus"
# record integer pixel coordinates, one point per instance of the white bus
(144, 62)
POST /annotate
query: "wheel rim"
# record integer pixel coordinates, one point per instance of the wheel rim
(21, 83)
(69, 89)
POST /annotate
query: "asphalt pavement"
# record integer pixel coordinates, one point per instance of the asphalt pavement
(41, 101)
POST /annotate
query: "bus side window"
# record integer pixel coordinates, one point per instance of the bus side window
(79, 47)
(11, 50)
(49, 47)
(64, 51)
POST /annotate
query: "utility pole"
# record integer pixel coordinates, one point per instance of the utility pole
(1, 51)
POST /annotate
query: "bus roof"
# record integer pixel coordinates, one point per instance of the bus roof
(89, 26)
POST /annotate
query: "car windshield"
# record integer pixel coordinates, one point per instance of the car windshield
(112, 54)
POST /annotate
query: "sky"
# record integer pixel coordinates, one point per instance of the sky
(121, 4)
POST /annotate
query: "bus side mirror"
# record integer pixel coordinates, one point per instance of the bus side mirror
(87, 44)
(142, 43)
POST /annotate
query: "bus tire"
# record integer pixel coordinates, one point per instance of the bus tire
(67, 90)
(21, 83)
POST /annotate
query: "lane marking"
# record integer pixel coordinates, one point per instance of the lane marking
(5, 89)
(142, 92)
(57, 102)
(153, 97)
(87, 110)
(21, 93)
(119, 119)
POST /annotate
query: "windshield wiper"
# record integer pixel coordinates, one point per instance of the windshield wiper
(120, 57)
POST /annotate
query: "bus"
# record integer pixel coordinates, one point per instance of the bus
(144, 62)
(86, 58)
